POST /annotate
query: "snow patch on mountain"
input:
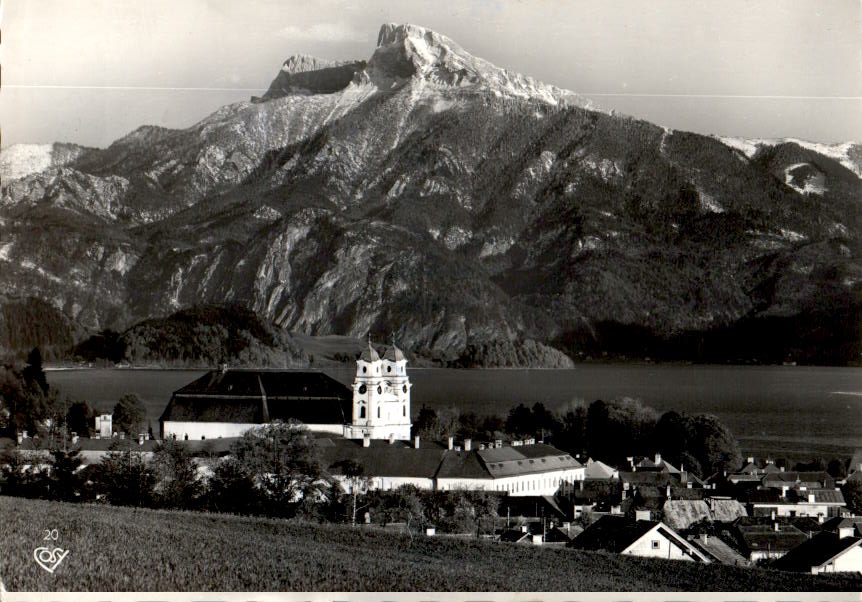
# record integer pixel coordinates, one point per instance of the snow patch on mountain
(843, 153)
(804, 178)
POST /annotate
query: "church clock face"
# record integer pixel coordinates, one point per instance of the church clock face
(362, 389)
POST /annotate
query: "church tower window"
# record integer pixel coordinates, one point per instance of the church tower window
(362, 412)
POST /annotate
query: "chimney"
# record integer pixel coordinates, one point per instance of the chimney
(811, 498)
(704, 538)
(366, 440)
(416, 442)
(772, 515)
(498, 443)
(75, 438)
(140, 439)
(20, 438)
(391, 438)
(819, 519)
(667, 492)
(658, 458)
(784, 489)
(468, 444)
(481, 446)
(451, 442)
(750, 459)
(775, 527)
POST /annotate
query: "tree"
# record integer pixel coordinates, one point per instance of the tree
(33, 371)
(129, 414)
(232, 489)
(124, 478)
(520, 421)
(837, 468)
(176, 473)
(284, 463)
(66, 482)
(79, 418)
(713, 445)
(852, 491)
(354, 475)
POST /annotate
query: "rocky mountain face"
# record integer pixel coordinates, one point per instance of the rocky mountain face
(428, 193)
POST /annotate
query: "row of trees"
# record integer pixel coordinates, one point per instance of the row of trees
(29, 403)
(610, 431)
(271, 471)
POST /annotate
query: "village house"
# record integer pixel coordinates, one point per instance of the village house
(766, 540)
(822, 503)
(649, 539)
(825, 552)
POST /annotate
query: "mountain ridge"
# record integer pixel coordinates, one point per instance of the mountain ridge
(445, 199)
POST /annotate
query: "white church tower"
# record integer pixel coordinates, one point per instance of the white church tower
(381, 396)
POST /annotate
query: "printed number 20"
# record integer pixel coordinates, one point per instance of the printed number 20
(51, 534)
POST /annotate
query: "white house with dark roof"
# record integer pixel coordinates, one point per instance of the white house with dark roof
(649, 539)
(824, 553)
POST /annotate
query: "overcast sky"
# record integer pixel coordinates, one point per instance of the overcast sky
(89, 71)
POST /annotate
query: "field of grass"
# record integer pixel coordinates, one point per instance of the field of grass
(125, 549)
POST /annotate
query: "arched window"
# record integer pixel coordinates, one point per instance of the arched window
(362, 412)
(364, 369)
(404, 411)
(389, 368)
(378, 412)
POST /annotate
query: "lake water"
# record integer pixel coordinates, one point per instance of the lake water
(778, 410)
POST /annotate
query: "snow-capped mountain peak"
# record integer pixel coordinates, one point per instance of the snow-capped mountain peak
(409, 51)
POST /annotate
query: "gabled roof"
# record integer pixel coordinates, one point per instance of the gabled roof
(795, 496)
(613, 534)
(599, 470)
(816, 552)
(718, 550)
(461, 465)
(525, 459)
(656, 479)
(750, 468)
(764, 538)
(844, 522)
(259, 396)
(382, 459)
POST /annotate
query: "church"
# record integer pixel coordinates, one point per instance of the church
(367, 423)
(228, 402)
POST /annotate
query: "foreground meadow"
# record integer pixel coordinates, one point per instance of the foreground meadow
(127, 549)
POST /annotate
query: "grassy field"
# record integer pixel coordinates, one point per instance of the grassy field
(124, 549)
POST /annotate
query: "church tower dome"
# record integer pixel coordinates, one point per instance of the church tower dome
(381, 396)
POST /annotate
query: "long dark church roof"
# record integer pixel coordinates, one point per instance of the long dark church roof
(260, 396)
